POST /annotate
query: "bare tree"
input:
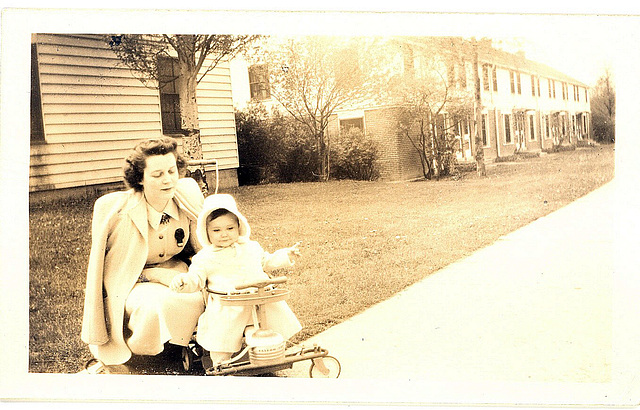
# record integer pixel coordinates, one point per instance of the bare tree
(195, 55)
(434, 101)
(603, 107)
(312, 76)
(477, 115)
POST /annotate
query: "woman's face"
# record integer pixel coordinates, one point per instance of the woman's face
(160, 178)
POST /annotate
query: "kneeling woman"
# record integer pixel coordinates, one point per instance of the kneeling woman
(142, 238)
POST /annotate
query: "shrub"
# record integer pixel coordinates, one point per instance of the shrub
(273, 148)
(518, 157)
(354, 156)
(586, 144)
(559, 148)
(465, 167)
(297, 159)
(254, 144)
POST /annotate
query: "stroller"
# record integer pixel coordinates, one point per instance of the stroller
(264, 350)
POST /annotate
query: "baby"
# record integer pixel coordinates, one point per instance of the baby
(229, 258)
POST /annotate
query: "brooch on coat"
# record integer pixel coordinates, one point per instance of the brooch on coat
(179, 235)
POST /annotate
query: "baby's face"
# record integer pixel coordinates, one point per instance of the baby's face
(223, 231)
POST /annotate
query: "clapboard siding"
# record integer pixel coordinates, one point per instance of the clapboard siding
(79, 165)
(73, 179)
(213, 93)
(82, 148)
(53, 63)
(217, 118)
(76, 40)
(55, 130)
(214, 105)
(89, 81)
(102, 139)
(70, 90)
(84, 118)
(51, 66)
(151, 101)
(95, 110)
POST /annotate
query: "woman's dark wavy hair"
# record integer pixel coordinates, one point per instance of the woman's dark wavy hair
(136, 162)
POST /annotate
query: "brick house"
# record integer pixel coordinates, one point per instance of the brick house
(525, 106)
(88, 111)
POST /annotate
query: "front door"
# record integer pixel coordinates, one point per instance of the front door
(519, 126)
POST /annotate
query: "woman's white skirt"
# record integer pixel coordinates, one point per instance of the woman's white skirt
(157, 315)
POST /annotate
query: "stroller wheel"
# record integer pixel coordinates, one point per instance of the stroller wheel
(187, 359)
(325, 367)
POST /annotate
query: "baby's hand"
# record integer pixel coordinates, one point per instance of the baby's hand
(294, 251)
(177, 283)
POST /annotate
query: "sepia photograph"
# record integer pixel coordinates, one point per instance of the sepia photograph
(224, 206)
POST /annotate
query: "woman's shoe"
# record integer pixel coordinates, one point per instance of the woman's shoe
(95, 366)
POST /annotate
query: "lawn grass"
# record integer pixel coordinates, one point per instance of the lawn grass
(362, 242)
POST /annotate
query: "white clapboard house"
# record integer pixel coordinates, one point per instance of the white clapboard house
(88, 110)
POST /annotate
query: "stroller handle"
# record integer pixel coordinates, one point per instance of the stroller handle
(261, 283)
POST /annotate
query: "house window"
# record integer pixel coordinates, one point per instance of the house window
(485, 140)
(259, 82)
(451, 75)
(586, 96)
(577, 93)
(494, 77)
(37, 122)
(168, 73)
(518, 81)
(533, 86)
(538, 84)
(465, 126)
(553, 87)
(532, 128)
(346, 125)
(512, 80)
(546, 123)
(507, 128)
(463, 75)
(485, 77)
(549, 85)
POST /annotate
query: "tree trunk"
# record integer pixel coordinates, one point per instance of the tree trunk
(191, 142)
(424, 158)
(322, 151)
(434, 152)
(482, 171)
(188, 104)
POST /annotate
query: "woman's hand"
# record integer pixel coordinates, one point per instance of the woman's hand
(178, 283)
(184, 283)
(160, 275)
(163, 273)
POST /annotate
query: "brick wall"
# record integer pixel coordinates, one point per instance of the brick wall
(398, 160)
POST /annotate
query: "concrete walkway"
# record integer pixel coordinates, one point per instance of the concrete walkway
(536, 306)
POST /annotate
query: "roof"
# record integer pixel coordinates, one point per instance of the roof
(491, 55)
(520, 63)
